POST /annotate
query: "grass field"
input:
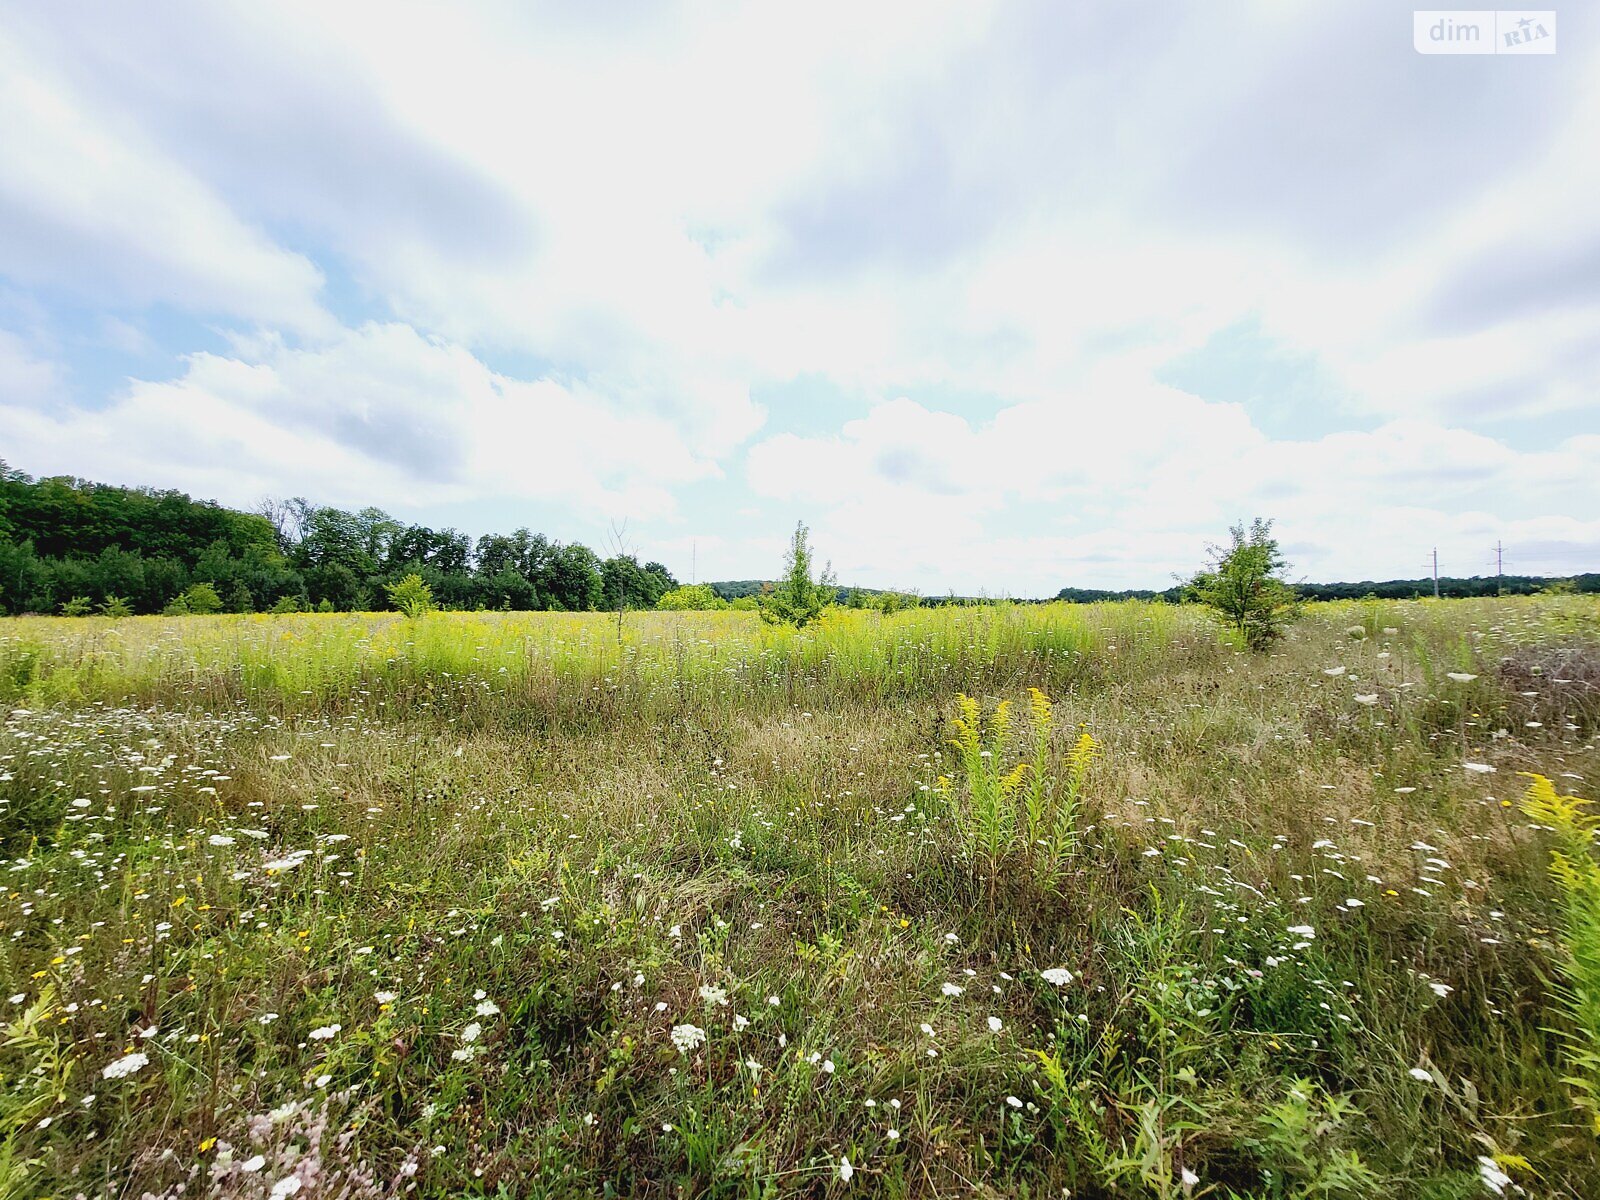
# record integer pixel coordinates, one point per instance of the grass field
(549, 905)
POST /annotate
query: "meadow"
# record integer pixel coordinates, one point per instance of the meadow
(998, 901)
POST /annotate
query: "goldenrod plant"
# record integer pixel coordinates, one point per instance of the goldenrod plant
(1576, 871)
(1026, 808)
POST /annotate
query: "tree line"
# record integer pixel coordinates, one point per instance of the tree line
(69, 545)
(1452, 588)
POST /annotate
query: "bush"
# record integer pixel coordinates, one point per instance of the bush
(797, 600)
(1243, 587)
(116, 606)
(682, 599)
(78, 606)
(203, 599)
(200, 599)
(411, 596)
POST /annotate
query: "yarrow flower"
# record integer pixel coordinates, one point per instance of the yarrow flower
(687, 1038)
(1493, 1176)
(1059, 976)
(325, 1033)
(128, 1064)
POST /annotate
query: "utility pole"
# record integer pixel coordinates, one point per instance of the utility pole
(1499, 568)
(1436, 572)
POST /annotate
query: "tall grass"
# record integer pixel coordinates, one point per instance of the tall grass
(416, 907)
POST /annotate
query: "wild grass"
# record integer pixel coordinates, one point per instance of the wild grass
(393, 907)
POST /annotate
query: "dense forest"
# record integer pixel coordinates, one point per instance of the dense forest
(68, 545)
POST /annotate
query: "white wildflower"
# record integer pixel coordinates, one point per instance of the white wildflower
(1494, 1178)
(687, 1037)
(128, 1064)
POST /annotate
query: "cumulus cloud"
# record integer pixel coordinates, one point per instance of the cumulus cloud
(380, 414)
(1121, 482)
(89, 206)
(1086, 283)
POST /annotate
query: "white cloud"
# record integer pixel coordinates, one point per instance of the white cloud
(648, 212)
(87, 205)
(1118, 487)
(26, 378)
(378, 415)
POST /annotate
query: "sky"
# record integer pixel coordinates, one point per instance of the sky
(996, 297)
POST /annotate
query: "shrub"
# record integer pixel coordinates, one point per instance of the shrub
(116, 606)
(689, 598)
(78, 606)
(1243, 586)
(798, 600)
(202, 598)
(411, 596)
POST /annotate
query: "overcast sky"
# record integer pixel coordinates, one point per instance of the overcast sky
(997, 297)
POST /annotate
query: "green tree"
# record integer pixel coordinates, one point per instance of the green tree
(571, 579)
(202, 598)
(1243, 585)
(78, 606)
(797, 599)
(116, 606)
(411, 596)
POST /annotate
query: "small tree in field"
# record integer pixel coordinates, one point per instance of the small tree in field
(411, 595)
(1243, 585)
(797, 600)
